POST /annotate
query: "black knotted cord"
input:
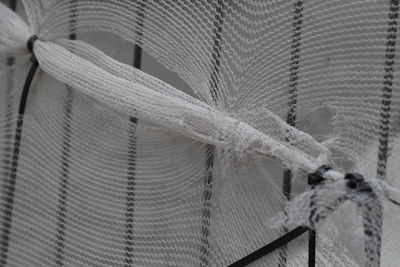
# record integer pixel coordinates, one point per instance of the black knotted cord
(9, 185)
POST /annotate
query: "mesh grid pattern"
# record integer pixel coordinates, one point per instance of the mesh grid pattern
(117, 168)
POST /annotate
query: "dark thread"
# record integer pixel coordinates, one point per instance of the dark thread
(130, 204)
(7, 152)
(208, 178)
(130, 198)
(64, 179)
(206, 211)
(292, 103)
(216, 51)
(65, 157)
(10, 182)
(383, 146)
(387, 89)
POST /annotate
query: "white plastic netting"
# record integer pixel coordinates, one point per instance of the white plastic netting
(115, 167)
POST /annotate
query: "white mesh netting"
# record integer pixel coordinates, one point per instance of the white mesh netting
(114, 167)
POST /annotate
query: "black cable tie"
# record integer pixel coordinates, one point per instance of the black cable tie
(317, 177)
(314, 179)
(30, 42)
(274, 245)
(6, 222)
(357, 182)
(393, 201)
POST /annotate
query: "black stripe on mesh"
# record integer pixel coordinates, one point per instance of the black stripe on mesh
(208, 178)
(8, 187)
(65, 156)
(8, 117)
(387, 88)
(130, 204)
(292, 103)
(216, 52)
(10, 181)
(384, 128)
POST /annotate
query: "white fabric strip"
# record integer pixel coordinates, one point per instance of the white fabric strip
(174, 111)
(136, 94)
(104, 80)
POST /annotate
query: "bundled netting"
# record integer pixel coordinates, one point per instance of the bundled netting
(105, 165)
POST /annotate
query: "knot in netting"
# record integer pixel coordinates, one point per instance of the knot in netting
(237, 139)
(356, 181)
(344, 202)
(328, 194)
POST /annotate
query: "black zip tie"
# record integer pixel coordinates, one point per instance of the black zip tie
(370, 212)
(274, 245)
(10, 184)
(314, 179)
(393, 201)
(130, 213)
(355, 182)
(63, 192)
(30, 42)
(29, 78)
(317, 177)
